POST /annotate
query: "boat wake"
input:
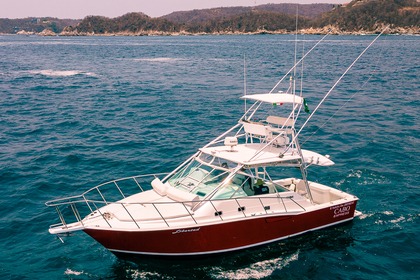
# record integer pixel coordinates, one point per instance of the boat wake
(138, 274)
(388, 217)
(256, 270)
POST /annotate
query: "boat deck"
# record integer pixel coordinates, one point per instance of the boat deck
(161, 212)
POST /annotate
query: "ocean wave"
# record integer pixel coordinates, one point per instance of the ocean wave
(65, 131)
(73, 272)
(159, 59)
(61, 73)
(136, 274)
(256, 270)
(363, 178)
(390, 218)
(365, 215)
(399, 220)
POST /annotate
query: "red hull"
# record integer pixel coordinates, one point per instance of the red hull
(221, 237)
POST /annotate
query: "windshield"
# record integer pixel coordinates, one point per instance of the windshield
(205, 176)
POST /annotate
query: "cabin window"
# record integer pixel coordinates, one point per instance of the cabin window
(239, 186)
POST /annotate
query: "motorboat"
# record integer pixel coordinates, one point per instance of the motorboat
(247, 187)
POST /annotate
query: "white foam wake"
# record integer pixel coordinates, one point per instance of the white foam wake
(72, 272)
(58, 73)
(137, 274)
(256, 270)
(391, 218)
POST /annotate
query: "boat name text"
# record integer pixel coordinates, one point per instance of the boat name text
(185, 230)
(341, 210)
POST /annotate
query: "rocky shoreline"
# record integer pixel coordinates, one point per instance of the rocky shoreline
(414, 30)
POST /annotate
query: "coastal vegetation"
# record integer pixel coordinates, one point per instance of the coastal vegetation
(367, 15)
(358, 16)
(35, 25)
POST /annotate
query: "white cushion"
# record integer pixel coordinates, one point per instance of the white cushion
(159, 187)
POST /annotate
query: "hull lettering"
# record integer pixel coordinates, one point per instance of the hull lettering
(185, 230)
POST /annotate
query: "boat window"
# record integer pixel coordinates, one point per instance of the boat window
(189, 176)
(216, 161)
(199, 178)
(203, 179)
(213, 180)
(206, 158)
(239, 186)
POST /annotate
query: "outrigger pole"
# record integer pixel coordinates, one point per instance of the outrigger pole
(337, 82)
(290, 70)
(294, 140)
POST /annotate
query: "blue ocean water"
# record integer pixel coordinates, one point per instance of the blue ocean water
(79, 111)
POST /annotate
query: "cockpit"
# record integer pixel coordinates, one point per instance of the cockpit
(211, 177)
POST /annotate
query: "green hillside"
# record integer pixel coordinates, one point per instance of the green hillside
(366, 16)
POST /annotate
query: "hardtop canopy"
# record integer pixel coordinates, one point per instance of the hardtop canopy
(275, 98)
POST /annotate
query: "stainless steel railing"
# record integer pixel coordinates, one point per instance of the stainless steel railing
(75, 208)
(104, 193)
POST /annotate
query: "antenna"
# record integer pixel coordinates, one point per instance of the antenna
(297, 63)
(301, 70)
(296, 37)
(294, 71)
(294, 66)
(245, 78)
